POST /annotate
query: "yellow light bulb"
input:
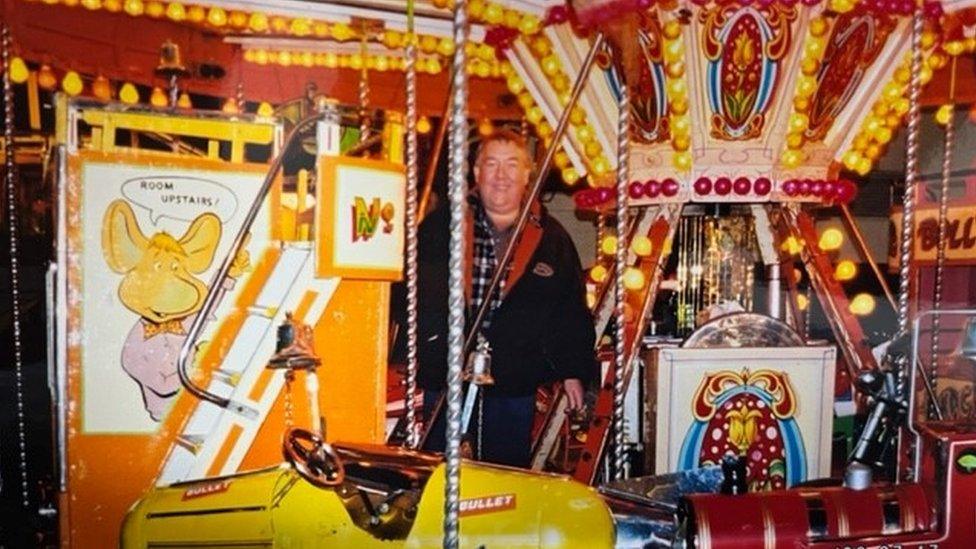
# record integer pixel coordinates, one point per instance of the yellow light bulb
(681, 161)
(845, 270)
(798, 122)
(46, 78)
(158, 97)
(423, 125)
(176, 12)
(598, 273)
(196, 14)
(217, 17)
(134, 8)
(230, 106)
(672, 29)
(570, 175)
(601, 166)
(485, 127)
(862, 305)
(590, 300)
(72, 84)
(831, 239)
(184, 101)
(128, 94)
(791, 245)
(641, 246)
(802, 302)
(101, 88)
(608, 246)
(633, 279)
(944, 115)
(258, 22)
(18, 71)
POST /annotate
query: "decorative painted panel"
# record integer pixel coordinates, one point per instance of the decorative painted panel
(744, 47)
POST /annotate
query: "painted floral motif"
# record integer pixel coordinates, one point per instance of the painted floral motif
(649, 108)
(749, 415)
(855, 42)
(744, 46)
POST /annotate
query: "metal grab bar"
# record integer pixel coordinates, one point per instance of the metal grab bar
(211, 300)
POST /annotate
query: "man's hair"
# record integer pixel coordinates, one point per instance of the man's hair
(504, 135)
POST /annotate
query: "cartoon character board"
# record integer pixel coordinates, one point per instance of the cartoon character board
(153, 236)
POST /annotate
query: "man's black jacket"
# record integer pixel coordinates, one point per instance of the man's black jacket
(542, 331)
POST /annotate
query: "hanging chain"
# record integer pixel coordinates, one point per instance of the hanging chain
(943, 222)
(364, 119)
(455, 342)
(411, 237)
(481, 421)
(9, 167)
(620, 360)
(289, 404)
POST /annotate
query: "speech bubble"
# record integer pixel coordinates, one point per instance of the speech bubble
(180, 197)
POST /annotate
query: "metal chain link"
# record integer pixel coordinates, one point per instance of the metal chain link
(620, 360)
(10, 167)
(455, 342)
(289, 405)
(411, 237)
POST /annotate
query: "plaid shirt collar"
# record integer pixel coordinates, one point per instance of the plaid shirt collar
(484, 264)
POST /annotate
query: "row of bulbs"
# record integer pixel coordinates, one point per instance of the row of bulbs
(73, 84)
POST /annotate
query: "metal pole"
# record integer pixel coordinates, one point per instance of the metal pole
(11, 188)
(620, 296)
(911, 172)
(457, 189)
(943, 230)
(434, 157)
(411, 236)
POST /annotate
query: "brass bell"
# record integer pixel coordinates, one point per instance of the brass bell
(479, 364)
(170, 60)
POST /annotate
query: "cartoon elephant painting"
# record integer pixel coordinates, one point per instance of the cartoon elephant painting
(160, 283)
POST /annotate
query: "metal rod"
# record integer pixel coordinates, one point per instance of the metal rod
(620, 291)
(911, 172)
(215, 287)
(940, 257)
(11, 189)
(457, 189)
(434, 160)
(534, 189)
(411, 236)
(865, 253)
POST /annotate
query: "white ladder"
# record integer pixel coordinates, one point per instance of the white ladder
(209, 427)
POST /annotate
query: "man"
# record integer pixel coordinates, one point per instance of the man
(538, 326)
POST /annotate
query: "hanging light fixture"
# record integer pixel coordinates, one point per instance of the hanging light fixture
(18, 71)
(158, 97)
(72, 84)
(101, 88)
(423, 125)
(128, 94)
(230, 106)
(46, 78)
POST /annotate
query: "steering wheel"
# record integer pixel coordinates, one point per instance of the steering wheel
(314, 458)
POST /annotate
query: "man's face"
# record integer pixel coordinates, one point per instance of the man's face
(502, 174)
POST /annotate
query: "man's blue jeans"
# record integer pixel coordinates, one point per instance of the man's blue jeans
(506, 427)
